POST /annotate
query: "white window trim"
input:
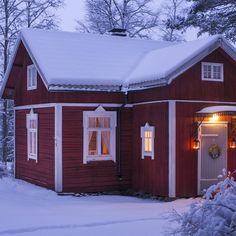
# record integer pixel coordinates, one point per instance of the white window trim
(147, 127)
(212, 64)
(29, 86)
(99, 112)
(32, 116)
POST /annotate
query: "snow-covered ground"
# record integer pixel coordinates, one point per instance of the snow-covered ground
(26, 209)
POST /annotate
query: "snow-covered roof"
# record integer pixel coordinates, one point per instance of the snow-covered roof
(217, 109)
(78, 61)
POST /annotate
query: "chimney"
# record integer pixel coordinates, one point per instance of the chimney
(118, 32)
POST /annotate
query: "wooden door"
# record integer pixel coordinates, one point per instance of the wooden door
(213, 154)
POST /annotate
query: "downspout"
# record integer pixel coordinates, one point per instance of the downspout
(119, 167)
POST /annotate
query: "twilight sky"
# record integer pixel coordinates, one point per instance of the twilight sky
(75, 9)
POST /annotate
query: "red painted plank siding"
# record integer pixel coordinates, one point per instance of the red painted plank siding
(41, 173)
(97, 175)
(189, 86)
(151, 176)
(18, 80)
(186, 157)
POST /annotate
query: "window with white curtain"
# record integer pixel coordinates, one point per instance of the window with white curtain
(31, 77)
(147, 135)
(99, 135)
(32, 135)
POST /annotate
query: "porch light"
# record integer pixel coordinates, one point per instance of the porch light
(214, 118)
(196, 144)
(232, 143)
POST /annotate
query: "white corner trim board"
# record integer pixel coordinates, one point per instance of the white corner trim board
(14, 145)
(58, 148)
(172, 149)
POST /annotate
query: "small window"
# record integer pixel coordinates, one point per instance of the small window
(148, 135)
(212, 71)
(32, 135)
(31, 77)
(99, 135)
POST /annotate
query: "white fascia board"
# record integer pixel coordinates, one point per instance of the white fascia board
(172, 149)
(14, 144)
(184, 66)
(9, 67)
(41, 74)
(58, 149)
(221, 42)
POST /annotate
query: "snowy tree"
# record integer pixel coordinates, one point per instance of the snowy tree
(10, 12)
(214, 17)
(172, 14)
(214, 215)
(40, 13)
(14, 15)
(136, 16)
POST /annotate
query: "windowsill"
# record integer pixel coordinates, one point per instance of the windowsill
(214, 80)
(31, 88)
(99, 158)
(32, 159)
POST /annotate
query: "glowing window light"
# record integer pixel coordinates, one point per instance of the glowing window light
(148, 141)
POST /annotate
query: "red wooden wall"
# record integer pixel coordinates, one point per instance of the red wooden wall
(18, 81)
(151, 176)
(186, 156)
(41, 173)
(189, 86)
(145, 175)
(96, 175)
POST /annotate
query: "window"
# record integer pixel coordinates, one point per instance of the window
(148, 135)
(212, 71)
(31, 77)
(99, 135)
(32, 135)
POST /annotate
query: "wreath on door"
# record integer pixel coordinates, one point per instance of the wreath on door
(214, 151)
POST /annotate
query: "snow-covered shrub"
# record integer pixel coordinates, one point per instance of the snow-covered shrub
(214, 215)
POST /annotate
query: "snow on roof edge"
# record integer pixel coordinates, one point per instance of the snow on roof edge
(126, 87)
(185, 64)
(215, 109)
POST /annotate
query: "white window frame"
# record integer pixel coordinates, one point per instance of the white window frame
(31, 76)
(99, 112)
(32, 116)
(212, 66)
(143, 129)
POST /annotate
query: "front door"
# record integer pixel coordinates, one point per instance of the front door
(213, 154)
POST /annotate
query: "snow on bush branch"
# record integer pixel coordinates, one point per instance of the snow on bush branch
(215, 214)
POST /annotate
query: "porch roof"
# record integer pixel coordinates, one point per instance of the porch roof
(229, 110)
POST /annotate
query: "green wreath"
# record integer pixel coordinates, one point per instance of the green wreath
(214, 151)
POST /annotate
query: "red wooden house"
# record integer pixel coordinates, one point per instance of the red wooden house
(99, 113)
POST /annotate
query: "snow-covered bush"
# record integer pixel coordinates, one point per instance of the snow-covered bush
(215, 214)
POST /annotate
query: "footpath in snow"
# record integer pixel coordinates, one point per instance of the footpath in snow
(31, 210)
